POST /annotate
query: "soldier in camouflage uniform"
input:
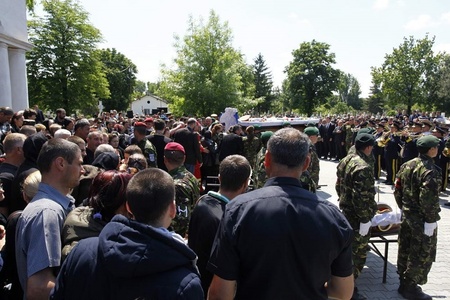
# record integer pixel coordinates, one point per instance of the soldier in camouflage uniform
(417, 194)
(348, 129)
(148, 149)
(260, 176)
(187, 190)
(310, 178)
(370, 158)
(252, 145)
(356, 191)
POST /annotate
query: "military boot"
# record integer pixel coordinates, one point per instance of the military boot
(413, 292)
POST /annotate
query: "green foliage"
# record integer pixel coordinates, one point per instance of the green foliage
(334, 106)
(64, 70)
(311, 77)
(375, 102)
(407, 74)
(349, 90)
(263, 85)
(208, 70)
(120, 73)
(140, 89)
(443, 83)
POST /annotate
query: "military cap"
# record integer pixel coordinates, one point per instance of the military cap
(427, 141)
(309, 131)
(440, 130)
(140, 124)
(286, 124)
(173, 146)
(365, 139)
(257, 127)
(427, 122)
(396, 124)
(265, 136)
(148, 120)
(418, 124)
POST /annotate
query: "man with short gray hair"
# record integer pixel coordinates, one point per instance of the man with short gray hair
(281, 241)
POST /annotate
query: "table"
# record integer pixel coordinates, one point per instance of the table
(390, 236)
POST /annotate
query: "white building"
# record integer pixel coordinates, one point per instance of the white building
(13, 45)
(149, 105)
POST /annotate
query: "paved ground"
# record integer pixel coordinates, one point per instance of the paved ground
(370, 281)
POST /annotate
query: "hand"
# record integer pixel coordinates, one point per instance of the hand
(364, 228)
(428, 228)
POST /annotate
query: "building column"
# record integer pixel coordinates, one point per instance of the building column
(5, 81)
(18, 74)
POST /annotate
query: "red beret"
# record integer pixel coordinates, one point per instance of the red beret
(140, 124)
(172, 146)
(148, 120)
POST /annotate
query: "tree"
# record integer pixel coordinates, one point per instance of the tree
(406, 75)
(263, 84)
(207, 77)
(311, 76)
(374, 103)
(443, 83)
(64, 69)
(121, 75)
(349, 90)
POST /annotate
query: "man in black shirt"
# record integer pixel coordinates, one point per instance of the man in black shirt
(234, 175)
(159, 140)
(281, 241)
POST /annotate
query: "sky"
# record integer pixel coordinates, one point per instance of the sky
(360, 32)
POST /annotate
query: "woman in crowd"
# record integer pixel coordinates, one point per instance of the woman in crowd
(17, 121)
(113, 140)
(106, 199)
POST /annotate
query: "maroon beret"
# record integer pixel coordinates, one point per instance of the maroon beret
(172, 146)
(140, 124)
(148, 120)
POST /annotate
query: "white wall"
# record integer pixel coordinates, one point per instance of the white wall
(13, 45)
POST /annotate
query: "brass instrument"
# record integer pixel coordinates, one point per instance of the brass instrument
(383, 139)
(446, 152)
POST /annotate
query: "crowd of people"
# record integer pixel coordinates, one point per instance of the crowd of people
(125, 202)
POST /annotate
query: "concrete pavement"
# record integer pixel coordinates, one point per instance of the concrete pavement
(370, 281)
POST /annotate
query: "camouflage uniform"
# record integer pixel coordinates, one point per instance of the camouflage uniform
(417, 194)
(259, 174)
(314, 166)
(187, 192)
(370, 159)
(149, 152)
(355, 188)
(348, 136)
(307, 182)
(251, 149)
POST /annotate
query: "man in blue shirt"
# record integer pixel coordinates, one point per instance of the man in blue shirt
(38, 234)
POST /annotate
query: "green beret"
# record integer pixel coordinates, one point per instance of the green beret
(311, 131)
(364, 139)
(265, 136)
(427, 141)
(257, 126)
